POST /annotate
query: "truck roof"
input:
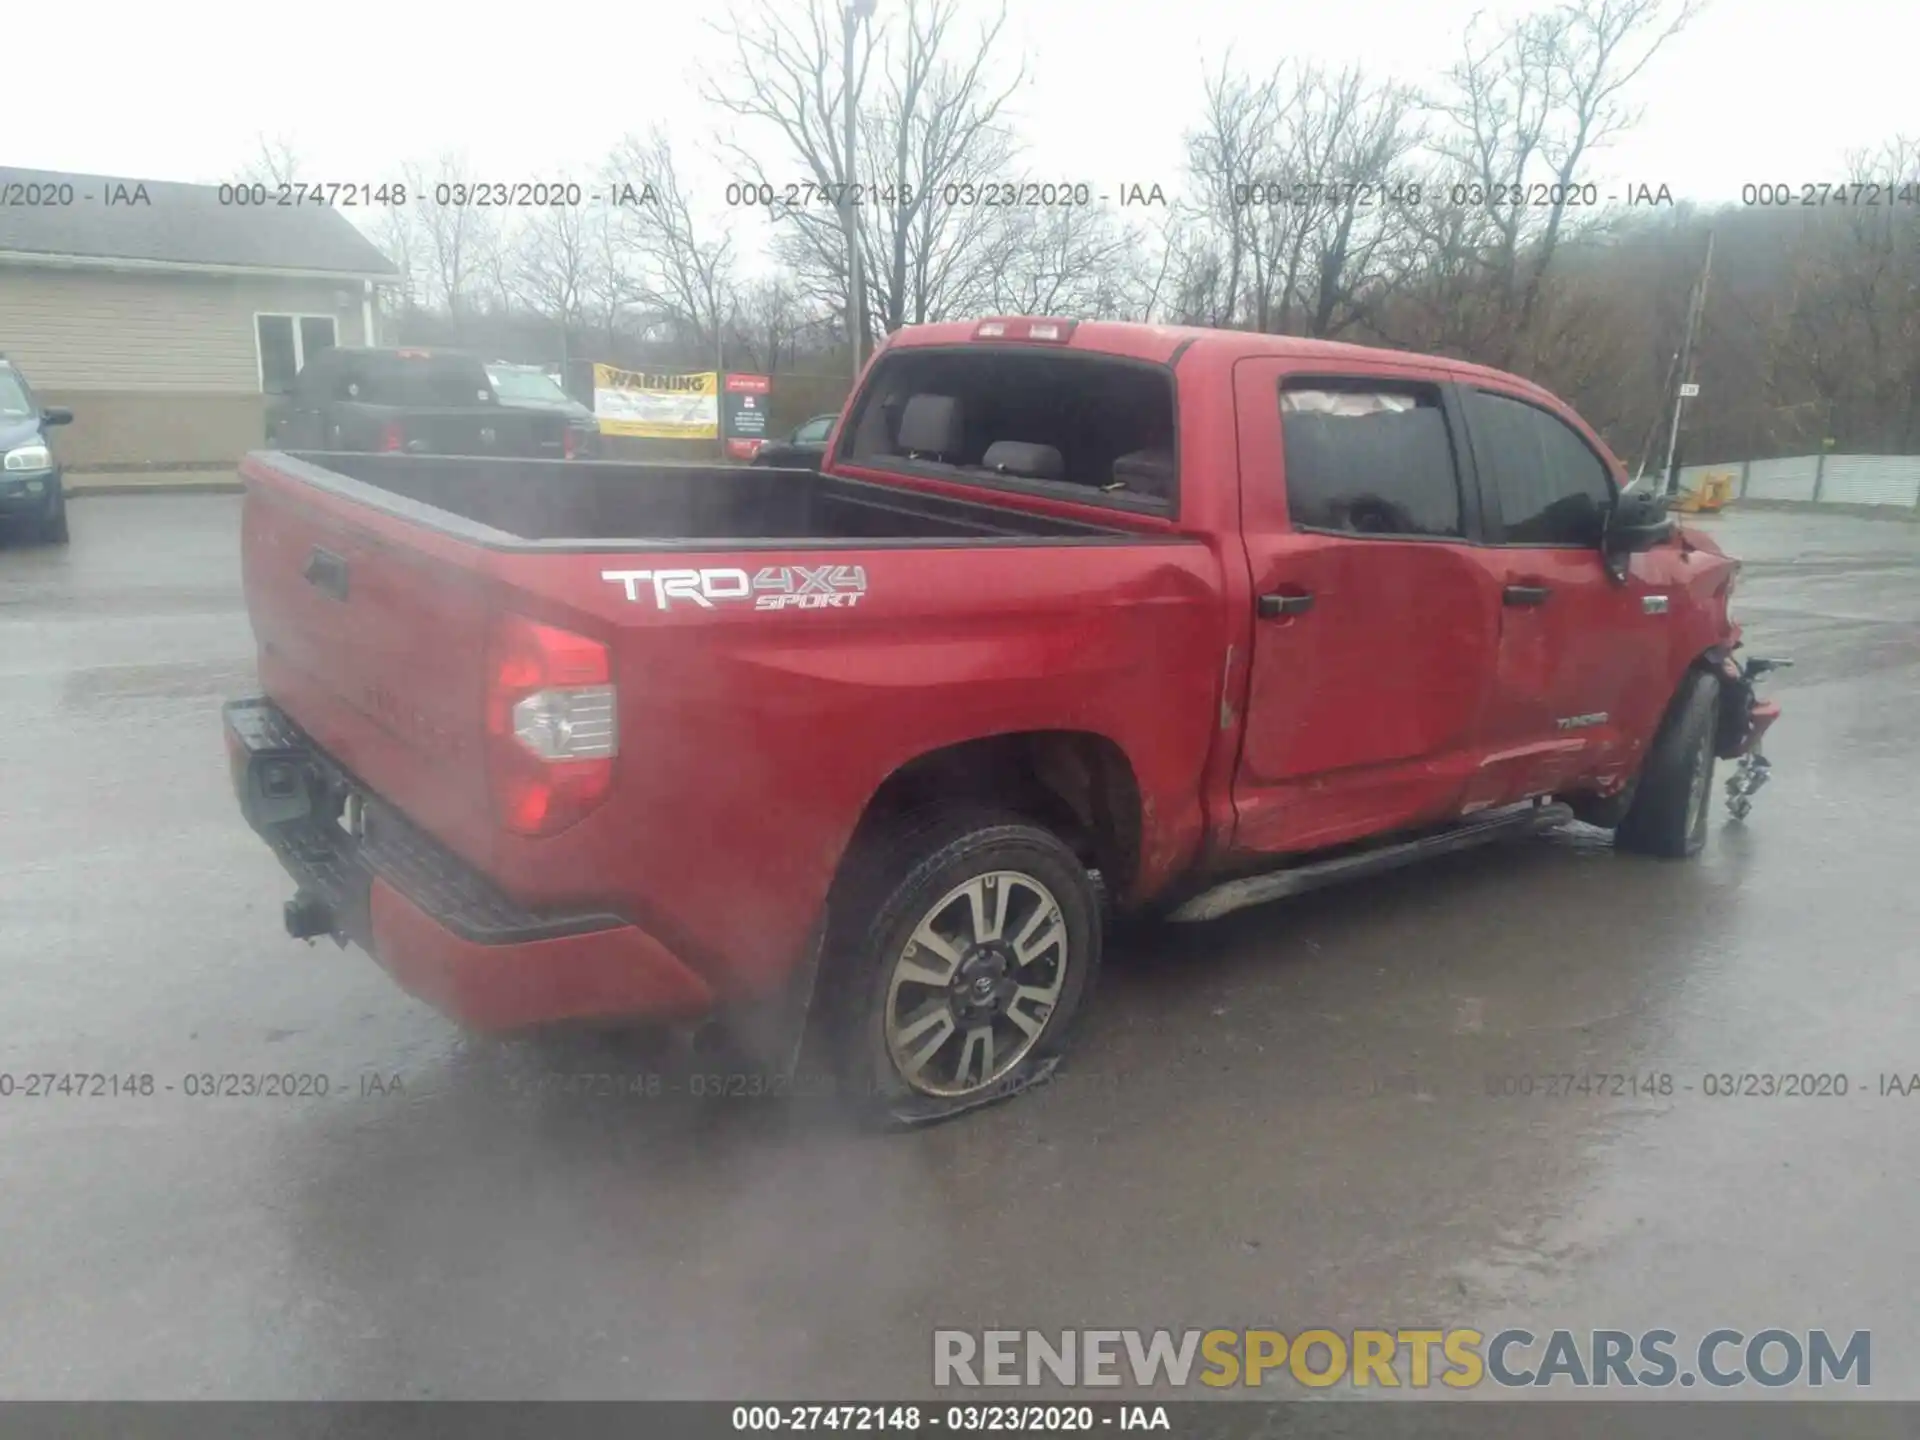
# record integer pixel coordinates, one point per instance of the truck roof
(1162, 343)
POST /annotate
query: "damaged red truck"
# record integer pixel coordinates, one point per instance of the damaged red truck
(1076, 619)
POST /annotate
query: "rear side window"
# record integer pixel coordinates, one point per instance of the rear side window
(1550, 486)
(1365, 458)
(1080, 426)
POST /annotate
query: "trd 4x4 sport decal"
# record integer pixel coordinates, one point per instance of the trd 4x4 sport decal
(778, 587)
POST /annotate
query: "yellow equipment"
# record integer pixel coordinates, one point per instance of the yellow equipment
(1716, 489)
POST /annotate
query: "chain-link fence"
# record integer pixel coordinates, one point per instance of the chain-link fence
(1891, 481)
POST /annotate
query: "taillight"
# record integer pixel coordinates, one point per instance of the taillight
(570, 447)
(393, 436)
(553, 725)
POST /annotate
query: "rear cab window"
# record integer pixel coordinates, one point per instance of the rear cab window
(1368, 457)
(1096, 429)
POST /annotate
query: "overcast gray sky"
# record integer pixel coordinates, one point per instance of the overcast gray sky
(1753, 90)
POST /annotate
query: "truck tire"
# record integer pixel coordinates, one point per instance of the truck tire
(1671, 801)
(53, 529)
(962, 948)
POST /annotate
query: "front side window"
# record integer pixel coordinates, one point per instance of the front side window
(1552, 489)
(1365, 458)
(814, 432)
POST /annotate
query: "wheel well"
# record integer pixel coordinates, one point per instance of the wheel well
(1079, 785)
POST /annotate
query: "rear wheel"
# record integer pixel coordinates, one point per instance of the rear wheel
(1668, 816)
(968, 945)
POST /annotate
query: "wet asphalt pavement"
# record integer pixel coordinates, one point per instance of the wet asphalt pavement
(1281, 1119)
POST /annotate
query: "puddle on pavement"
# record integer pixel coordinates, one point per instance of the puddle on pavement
(111, 685)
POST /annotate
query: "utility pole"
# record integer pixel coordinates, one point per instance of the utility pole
(1696, 304)
(719, 373)
(1653, 429)
(852, 15)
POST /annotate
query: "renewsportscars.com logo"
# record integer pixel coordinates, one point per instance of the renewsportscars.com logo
(1459, 1358)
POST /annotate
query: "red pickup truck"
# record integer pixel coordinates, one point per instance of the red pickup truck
(1077, 618)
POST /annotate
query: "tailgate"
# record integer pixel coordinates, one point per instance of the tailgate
(377, 647)
(485, 432)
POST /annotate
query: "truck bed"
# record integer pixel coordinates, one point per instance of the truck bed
(385, 593)
(537, 504)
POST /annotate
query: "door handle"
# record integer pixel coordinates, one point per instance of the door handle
(1527, 594)
(1272, 607)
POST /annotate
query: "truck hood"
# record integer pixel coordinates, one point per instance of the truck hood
(572, 409)
(1695, 539)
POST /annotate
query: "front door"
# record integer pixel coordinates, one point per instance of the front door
(1578, 647)
(1376, 621)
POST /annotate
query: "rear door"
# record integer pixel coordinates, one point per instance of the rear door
(1577, 646)
(1376, 620)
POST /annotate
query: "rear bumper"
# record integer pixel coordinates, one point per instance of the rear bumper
(445, 932)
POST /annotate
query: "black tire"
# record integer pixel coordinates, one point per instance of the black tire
(53, 529)
(917, 872)
(1674, 795)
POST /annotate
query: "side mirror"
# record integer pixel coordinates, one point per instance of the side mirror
(56, 415)
(1638, 521)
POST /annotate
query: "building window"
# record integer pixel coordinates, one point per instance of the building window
(287, 342)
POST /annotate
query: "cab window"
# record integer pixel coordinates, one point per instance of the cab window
(1548, 484)
(1366, 458)
(1094, 429)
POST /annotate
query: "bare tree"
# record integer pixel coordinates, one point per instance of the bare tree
(773, 324)
(552, 261)
(932, 121)
(1060, 260)
(1230, 156)
(1300, 186)
(275, 162)
(1355, 226)
(1525, 107)
(609, 285)
(683, 269)
(457, 241)
(1851, 334)
(788, 73)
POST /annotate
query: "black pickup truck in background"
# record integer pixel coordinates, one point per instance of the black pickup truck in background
(410, 401)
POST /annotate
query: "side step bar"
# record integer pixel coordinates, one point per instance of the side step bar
(1506, 824)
